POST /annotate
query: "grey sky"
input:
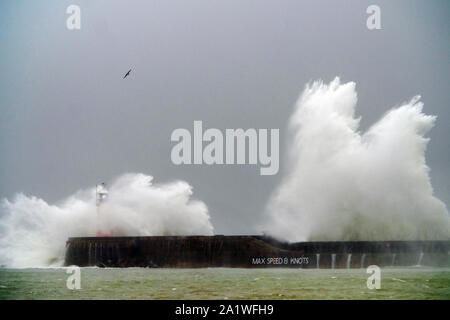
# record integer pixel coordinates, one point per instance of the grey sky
(68, 120)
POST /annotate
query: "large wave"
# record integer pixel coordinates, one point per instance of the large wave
(341, 184)
(33, 233)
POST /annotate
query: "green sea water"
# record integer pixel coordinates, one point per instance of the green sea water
(225, 283)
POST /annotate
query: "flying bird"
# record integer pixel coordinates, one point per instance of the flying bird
(126, 74)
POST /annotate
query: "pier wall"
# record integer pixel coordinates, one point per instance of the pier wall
(250, 252)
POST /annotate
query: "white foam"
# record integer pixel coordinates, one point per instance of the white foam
(341, 184)
(33, 232)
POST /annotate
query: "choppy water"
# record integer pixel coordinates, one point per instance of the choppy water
(225, 283)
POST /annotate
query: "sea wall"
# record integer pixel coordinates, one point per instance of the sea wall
(250, 252)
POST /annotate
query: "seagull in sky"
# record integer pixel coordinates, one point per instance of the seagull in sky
(127, 74)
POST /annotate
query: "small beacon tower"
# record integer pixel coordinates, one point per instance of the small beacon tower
(101, 193)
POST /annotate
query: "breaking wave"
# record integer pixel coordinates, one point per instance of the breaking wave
(33, 232)
(342, 184)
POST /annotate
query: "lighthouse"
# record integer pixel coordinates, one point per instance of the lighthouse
(101, 193)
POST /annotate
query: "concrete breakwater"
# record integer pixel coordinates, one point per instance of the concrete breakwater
(250, 252)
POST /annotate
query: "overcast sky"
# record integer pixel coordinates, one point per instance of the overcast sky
(68, 120)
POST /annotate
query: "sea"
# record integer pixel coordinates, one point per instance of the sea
(223, 283)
